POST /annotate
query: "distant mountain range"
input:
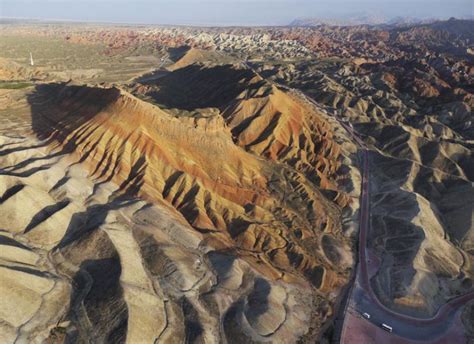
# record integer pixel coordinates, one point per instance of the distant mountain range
(363, 19)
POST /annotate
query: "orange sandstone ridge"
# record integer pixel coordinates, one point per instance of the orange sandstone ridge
(248, 177)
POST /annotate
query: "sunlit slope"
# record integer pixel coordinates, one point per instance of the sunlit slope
(250, 185)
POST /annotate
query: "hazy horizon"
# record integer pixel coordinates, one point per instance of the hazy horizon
(226, 12)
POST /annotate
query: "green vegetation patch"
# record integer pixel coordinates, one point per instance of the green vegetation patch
(14, 85)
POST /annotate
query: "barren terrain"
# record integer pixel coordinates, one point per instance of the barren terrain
(202, 184)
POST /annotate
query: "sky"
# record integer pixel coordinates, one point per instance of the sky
(227, 12)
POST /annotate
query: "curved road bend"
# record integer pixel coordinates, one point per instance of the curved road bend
(363, 297)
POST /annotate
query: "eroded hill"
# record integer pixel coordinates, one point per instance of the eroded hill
(208, 191)
(416, 115)
(188, 216)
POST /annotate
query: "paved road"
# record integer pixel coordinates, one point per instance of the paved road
(363, 298)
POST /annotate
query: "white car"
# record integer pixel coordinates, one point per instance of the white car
(387, 328)
(366, 315)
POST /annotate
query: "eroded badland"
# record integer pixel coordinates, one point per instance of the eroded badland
(205, 185)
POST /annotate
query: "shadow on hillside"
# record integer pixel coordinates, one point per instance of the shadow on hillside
(195, 87)
(98, 310)
(177, 53)
(395, 239)
(60, 114)
(451, 198)
(58, 110)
